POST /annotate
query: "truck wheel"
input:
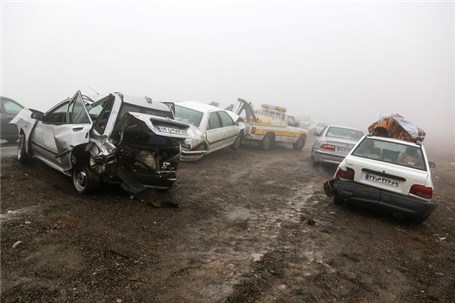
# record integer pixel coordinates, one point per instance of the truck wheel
(267, 142)
(22, 155)
(299, 144)
(85, 180)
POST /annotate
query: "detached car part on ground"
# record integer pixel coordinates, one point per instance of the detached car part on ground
(270, 124)
(333, 143)
(385, 174)
(213, 128)
(127, 140)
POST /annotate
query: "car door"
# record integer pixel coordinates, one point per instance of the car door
(230, 129)
(8, 110)
(215, 132)
(60, 130)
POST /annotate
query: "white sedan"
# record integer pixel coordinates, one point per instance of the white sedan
(214, 128)
(385, 174)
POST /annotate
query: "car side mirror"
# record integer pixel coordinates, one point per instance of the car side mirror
(432, 164)
(37, 115)
(316, 134)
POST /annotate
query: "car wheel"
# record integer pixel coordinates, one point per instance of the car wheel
(337, 200)
(22, 155)
(267, 142)
(299, 144)
(85, 180)
(238, 141)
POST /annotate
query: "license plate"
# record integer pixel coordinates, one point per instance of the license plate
(343, 149)
(382, 180)
(171, 130)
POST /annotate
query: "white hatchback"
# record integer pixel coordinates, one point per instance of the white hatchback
(385, 174)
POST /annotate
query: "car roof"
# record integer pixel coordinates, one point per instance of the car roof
(198, 106)
(346, 127)
(393, 140)
(135, 100)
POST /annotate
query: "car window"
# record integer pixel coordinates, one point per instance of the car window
(344, 133)
(11, 107)
(188, 115)
(58, 114)
(391, 152)
(100, 114)
(226, 120)
(78, 112)
(214, 121)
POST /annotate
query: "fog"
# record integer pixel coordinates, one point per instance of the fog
(340, 62)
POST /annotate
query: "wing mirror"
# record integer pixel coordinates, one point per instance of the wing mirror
(37, 114)
(316, 134)
(432, 164)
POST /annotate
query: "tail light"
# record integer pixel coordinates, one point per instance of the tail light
(328, 147)
(345, 174)
(421, 191)
(253, 130)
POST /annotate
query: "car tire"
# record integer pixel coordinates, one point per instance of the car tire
(238, 141)
(85, 180)
(267, 142)
(298, 146)
(22, 155)
(337, 200)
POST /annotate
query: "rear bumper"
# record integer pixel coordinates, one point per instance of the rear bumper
(320, 156)
(188, 155)
(378, 199)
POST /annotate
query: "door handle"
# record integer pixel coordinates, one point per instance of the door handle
(76, 129)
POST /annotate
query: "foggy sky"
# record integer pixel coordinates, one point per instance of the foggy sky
(338, 62)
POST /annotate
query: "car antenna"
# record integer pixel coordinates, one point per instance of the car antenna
(93, 90)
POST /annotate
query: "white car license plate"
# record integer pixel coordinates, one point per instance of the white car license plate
(171, 130)
(343, 149)
(382, 180)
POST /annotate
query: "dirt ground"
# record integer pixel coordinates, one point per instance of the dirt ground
(244, 226)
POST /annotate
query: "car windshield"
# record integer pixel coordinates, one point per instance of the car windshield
(391, 152)
(344, 133)
(188, 115)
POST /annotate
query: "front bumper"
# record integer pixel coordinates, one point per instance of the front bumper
(379, 199)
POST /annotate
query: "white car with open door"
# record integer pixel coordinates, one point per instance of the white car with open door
(127, 140)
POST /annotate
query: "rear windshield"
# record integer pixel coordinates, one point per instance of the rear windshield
(188, 115)
(344, 133)
(391, 152)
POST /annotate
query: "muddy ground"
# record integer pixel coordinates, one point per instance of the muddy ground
(244, 226)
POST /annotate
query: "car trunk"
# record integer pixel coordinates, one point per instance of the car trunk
(391, 177)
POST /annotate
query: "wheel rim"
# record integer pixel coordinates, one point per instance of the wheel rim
(80, 180)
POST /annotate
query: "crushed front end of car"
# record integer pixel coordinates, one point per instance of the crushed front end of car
(142, 152)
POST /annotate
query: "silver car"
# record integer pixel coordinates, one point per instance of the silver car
(333, 143)
(132, 141)
(8, 110)
(213, 127)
